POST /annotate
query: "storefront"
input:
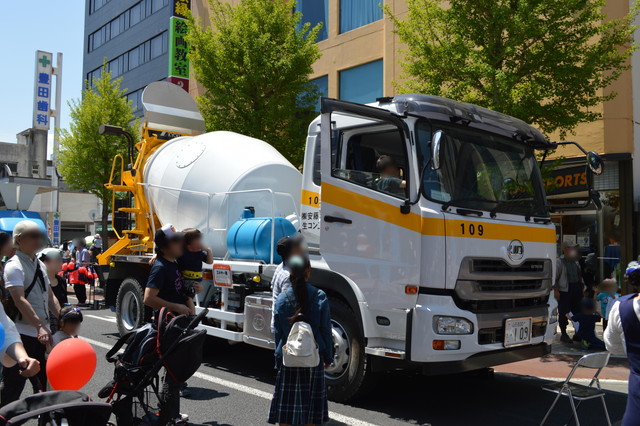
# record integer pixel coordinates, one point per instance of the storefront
(605, 236)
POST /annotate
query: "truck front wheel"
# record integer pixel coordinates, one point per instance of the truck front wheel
(130, 307)
(347, 373)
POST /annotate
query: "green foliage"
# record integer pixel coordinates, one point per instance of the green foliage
(254, 63)
(85, 156)
(543, 61)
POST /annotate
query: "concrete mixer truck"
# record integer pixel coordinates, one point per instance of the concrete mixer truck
(426, 220)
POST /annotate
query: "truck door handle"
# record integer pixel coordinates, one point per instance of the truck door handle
(332, 219)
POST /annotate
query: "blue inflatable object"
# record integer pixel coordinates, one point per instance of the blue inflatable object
(250, 238)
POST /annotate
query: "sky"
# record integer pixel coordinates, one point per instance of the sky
(27, 26)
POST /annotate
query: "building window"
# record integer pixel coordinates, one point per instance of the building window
(144, 52)
(363, 83)
(322, 84)
(136, 99)
(314, 12)
(124, 21)
(96, 4)
(357, 13)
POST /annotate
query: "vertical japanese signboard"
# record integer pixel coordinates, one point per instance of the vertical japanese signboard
(178, 48)
(56, 229)
(42, 90)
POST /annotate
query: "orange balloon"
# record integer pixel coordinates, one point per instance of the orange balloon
(71, 364)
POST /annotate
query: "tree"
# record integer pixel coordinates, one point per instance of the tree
(85, 156)
(254, 64)
(544, 61)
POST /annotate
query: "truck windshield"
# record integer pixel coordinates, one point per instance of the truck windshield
(482, 171)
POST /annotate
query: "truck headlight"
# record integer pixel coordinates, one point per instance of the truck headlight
(452, 325)
(554, 316)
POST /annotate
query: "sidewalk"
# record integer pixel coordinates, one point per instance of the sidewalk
(563, 356)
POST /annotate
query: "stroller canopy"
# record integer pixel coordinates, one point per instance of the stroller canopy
(76, 407)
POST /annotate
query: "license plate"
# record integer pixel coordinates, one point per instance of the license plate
(517, 331)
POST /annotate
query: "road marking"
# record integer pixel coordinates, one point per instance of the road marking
(247, 389)
(97, 343)
(266, 395)
(109, 319)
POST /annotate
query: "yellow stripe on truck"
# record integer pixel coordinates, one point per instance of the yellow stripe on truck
(380, 210)
(310, 198)
(499, 231)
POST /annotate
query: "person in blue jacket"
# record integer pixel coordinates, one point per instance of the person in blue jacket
(623, 336)
(300, 395)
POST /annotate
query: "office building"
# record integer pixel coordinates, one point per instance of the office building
(133, 37)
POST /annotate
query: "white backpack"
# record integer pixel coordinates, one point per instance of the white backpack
(301, 349)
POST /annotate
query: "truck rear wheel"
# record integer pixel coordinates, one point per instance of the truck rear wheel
(130, 309)
(347, 374)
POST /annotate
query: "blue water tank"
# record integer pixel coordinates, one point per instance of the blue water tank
(250, 238)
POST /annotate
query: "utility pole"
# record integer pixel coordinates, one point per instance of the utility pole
(55, 180)
(55, 113)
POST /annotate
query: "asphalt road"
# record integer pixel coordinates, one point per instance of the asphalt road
(235, 382)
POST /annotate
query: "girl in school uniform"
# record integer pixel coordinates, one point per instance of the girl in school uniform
(300, 395)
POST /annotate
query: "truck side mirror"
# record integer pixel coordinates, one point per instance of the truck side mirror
(436, 140)
(595, 163)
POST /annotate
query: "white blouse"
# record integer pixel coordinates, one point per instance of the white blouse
(613, 335)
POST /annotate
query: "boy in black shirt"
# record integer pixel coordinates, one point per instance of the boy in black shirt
(166, 289)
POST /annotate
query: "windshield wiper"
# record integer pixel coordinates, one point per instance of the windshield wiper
(457, 201)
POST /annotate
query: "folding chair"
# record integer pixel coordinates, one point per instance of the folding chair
(577, 392)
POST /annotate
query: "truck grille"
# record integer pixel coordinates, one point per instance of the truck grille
(500, 266)
(501, 305)
(492, 285)
(508, 285)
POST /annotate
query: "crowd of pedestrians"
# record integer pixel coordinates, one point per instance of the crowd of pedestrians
(36, 315)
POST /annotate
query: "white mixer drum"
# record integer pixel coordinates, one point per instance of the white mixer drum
(198, 182)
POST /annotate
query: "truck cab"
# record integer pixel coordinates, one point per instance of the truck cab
(450, 257)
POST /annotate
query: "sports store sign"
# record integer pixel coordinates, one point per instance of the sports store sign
(178, 48)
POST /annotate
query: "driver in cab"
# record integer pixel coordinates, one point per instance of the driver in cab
(390, 180)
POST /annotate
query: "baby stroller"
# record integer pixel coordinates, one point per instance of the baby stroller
(171, 342)
(56, 408)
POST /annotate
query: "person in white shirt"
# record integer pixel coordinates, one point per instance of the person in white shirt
(286, 247)
(12, 351)
(622, 336)
(25, 277)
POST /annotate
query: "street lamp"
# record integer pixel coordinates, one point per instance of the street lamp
(108, 129)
